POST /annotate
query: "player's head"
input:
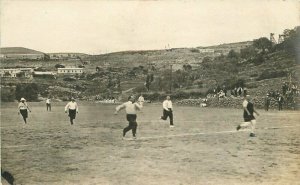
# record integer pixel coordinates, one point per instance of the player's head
(168, 97)
(72, 99)
(247, 97)
(23, 100)
(131, 98)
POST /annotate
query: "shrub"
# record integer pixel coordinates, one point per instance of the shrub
(28, 91)
(8, 94)
(271, 74)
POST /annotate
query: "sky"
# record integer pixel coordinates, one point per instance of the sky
(99, 26)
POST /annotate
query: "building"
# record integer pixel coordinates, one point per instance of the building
(63, 56)
(70, 70)
(206, 50)
(16, 72)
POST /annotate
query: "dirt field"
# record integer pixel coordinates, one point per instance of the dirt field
(203, 148)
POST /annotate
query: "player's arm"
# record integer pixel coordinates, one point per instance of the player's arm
(245, 108)
(120, 107)
(67, 107)
(28, 107)
(76, 107)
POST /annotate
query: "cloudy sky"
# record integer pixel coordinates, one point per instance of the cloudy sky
(98, 26)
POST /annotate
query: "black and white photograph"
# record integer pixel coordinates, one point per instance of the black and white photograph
(150, 92)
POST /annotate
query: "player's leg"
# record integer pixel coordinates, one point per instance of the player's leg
(171, 118)
(242, 125)
(126, 129)
(24, 114)
(129, 127)
(253, 123)
(165, 115)
(24, 118)
(134, 127)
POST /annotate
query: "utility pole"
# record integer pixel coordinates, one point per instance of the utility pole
(171, 80)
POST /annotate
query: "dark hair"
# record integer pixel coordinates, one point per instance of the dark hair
(129, 97)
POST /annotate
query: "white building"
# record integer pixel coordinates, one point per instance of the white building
(13, 72)
(70, 70)
(206, 50)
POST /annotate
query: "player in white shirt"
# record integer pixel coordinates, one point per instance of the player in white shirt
(168, 111)
(131, 108)
(23, 107)
(72, 108)
(48, 104)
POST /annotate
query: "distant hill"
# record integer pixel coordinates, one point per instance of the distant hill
(68, 53)
(18, 50)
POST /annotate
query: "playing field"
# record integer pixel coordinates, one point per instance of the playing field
(203, 148)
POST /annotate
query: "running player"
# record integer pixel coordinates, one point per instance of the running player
(72, 107)
(23, 107)
(131, 108)
(249, 118)
(168, 111)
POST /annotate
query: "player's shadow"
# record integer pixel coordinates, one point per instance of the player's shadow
(8, 177)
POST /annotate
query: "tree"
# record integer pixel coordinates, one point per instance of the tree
(262, 43)
(187, 67)
(232, 54)
(291, 41)
(28, 91)
(59, 66)
(248, 52)
(149, 80)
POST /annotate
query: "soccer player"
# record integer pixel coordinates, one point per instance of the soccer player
(249, 118)
(72, 107)
(167, 111)
(48, 104)
(131, 108)
(23, 107)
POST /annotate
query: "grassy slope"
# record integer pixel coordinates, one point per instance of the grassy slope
(129, 59)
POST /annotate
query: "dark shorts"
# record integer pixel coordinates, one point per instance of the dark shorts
(72, 113)
(248, 118)
(24, 113)
(131, 117)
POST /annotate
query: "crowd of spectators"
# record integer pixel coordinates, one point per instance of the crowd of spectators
(224, 92)
(287, 96)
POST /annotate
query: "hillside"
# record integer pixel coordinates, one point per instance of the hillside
(196, 72)
(18, 50)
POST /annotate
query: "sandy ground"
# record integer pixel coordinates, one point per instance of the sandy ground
(203, 148)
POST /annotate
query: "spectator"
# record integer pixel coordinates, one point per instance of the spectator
(267, 102)
(280, 102)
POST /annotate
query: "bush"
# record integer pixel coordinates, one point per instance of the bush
(271, 74)
(8, 94)
(259, 59)
(194, 50)
(59, 66)
(28, 91)
(69, 79)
